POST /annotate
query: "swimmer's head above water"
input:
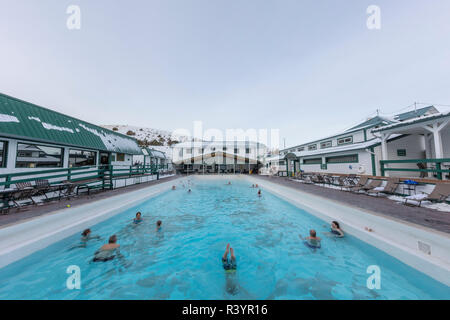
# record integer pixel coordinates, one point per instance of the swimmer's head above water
(138, 217)
(112, 239)
(86, 232)
(158, 224)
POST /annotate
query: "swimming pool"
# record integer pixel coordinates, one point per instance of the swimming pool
(183, 260)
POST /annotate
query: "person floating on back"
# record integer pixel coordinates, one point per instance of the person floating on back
(158, 225)
(107, 251)
(336, 229)
(138, 218)
(313, 241)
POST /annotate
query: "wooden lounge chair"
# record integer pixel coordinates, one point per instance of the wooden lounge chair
(341, 182)
(372, 185)
(28, 191)
(439, 194)
(350, 179)
(43, 187)
(389, 188)
(68, 190)
(318, 179)
(358, 186)
(328, 179)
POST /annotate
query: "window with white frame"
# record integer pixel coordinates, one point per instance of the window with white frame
(81, 158)
(345, 140)
(326, 144)
(38, 156)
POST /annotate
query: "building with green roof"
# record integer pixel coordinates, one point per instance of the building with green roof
(32, 136)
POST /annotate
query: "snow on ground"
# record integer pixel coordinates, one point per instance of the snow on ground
(153, 136)
(426, 204)
(413, 200)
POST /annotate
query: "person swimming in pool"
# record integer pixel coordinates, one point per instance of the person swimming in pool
(230, 266)
(336, 229)
(108, 251)
(189, 191)
(158, 225)
(313, 241)
(138, 218)
(87, 235)
(173, 187)
(259, 193)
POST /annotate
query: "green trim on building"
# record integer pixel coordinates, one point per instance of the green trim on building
(372, 158)
(342, 156)
(27, 121)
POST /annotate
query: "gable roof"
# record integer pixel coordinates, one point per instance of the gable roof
(371, 122)
(415, 113)
(24, 120)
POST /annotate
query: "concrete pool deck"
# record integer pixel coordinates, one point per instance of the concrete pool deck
(433, 219)
(31, 212)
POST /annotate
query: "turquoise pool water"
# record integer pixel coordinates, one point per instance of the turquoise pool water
(183, 260)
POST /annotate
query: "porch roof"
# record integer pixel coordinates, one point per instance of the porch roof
(413, 126)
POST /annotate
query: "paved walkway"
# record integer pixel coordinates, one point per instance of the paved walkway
(31, 211)
(434, 219)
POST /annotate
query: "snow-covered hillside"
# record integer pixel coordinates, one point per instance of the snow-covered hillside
(147, 136)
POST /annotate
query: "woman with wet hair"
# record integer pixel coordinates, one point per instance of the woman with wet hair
(336, 229)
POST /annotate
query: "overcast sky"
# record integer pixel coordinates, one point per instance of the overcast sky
(308, 68)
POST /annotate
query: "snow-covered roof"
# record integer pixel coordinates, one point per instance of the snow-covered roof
(24, 120)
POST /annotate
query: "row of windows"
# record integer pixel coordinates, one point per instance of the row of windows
(323, 145)
(352, 158)
(42, 156)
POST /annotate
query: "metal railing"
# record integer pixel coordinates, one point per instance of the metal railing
(102, 172)
(436, 168)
